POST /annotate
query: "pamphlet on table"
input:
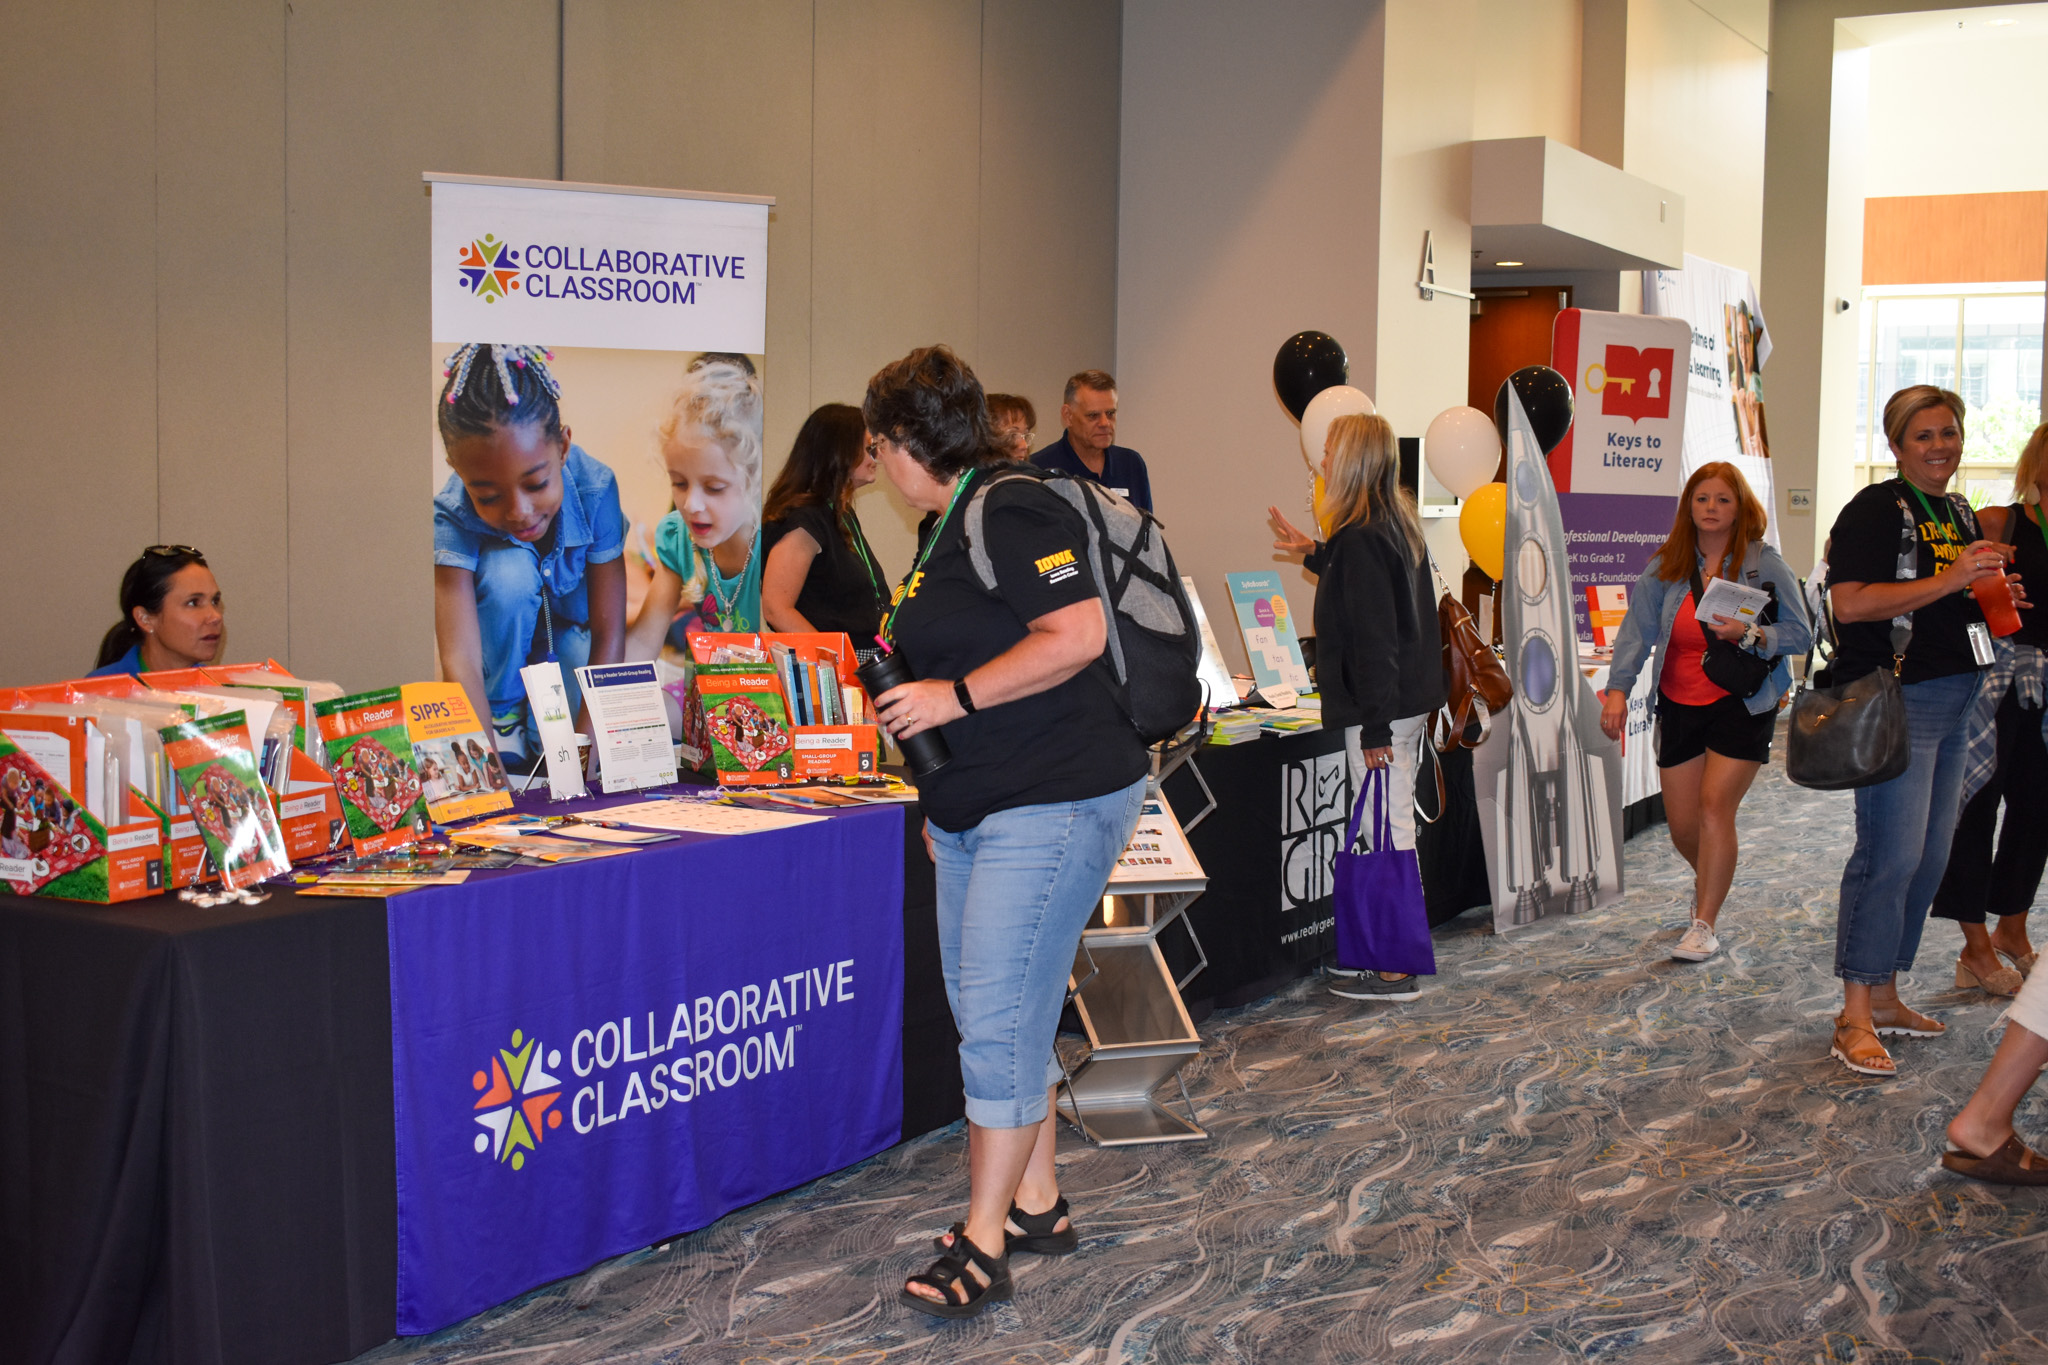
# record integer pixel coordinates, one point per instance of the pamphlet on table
(1266, 623)
(626, 711)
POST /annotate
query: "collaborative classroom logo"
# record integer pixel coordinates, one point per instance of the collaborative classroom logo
(490, 268)
(1632, 383)
(517, 1101)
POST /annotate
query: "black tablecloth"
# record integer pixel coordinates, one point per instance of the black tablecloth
(1281, 806)
(196, 1124)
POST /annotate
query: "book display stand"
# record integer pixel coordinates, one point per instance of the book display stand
(1129, 1002)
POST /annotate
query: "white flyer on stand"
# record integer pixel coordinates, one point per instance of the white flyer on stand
(549, 697)
(626, 711)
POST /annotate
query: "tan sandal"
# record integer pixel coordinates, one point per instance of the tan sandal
(2022, 963)
(2005, 981)
(1870, 1061)
(1910, 1023)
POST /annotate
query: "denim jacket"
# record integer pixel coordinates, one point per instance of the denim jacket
(1655, 602)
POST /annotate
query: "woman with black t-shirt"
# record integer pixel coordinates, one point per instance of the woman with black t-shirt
(2004, 884)
(820, 574)
(1027, 819)
(1906, 548)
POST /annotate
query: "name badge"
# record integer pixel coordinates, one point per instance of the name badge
(1980, 642)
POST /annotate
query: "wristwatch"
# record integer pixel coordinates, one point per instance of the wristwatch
(960, 692)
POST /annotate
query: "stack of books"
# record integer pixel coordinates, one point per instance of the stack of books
(1237, 727)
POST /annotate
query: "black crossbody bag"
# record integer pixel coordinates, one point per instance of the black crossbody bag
(1728, 665)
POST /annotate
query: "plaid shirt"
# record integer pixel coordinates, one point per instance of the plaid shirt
(2015, 665)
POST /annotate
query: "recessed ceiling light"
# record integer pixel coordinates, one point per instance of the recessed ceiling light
(1507, 262)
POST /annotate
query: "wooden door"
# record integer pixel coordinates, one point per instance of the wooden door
(1510, 329)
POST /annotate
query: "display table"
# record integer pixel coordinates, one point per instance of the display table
(197, 1121)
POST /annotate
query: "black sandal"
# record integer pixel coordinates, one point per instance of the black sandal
(1039, 1235)
(964, 1298)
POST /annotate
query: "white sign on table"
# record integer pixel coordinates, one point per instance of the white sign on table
(626, 711)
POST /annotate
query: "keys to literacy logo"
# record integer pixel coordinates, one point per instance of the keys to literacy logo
(490, 268)
(519, 1096)
(1631, 383)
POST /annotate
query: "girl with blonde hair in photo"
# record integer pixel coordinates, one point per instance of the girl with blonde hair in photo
(708, 547)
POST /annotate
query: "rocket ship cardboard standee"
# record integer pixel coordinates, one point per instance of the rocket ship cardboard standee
(1549, 782)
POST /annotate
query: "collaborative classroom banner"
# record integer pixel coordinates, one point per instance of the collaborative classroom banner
(1617, 469)
(655, 305)
(592, 1058)
(1730, 344)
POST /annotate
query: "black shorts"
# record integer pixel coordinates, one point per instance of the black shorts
(1725, 726)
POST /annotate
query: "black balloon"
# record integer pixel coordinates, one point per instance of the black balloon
(1546, 396)
(1308, 363)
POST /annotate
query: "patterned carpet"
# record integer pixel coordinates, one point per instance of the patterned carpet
(1570, 1148)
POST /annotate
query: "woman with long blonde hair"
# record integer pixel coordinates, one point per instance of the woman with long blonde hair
(1379, 659)
(1710, 742)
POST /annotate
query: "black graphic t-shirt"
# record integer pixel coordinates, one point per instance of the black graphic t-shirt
(1068, 743)
(1866, 550)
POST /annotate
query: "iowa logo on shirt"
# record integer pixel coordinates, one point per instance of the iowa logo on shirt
(1057, 568)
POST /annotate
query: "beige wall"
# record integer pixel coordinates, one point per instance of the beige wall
(1244, 220)
(1988, 143)
(220, 340)
(1526, 69)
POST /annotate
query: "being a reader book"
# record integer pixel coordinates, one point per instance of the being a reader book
(1267, 625)
(216, 768)
(745, 724)
(460, 772)
(47, 843)
(370, 754)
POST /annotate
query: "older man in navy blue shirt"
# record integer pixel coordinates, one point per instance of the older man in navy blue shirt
(1089, 447)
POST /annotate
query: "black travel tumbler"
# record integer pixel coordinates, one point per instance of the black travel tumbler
(926, 749)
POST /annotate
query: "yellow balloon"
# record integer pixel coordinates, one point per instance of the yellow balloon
(1316, 505)
(1483, 526)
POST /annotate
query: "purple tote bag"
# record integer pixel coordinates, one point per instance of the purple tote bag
(1382, 922)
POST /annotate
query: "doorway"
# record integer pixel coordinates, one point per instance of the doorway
(1510, 328)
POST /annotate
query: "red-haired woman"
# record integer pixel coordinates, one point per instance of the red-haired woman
(1710, 742)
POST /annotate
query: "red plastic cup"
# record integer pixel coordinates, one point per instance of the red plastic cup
(1994, 597)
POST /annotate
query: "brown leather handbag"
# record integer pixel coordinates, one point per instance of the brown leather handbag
(1475, 678)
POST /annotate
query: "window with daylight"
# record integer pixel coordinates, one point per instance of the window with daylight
(1985, 345)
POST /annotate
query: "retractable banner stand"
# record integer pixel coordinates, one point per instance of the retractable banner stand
(1729, 345)
(1617, 471)
(591, 1057)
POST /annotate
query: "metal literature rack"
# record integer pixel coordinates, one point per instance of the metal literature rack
(1139, 1033)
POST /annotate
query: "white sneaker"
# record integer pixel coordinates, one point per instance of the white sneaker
(1698, 945)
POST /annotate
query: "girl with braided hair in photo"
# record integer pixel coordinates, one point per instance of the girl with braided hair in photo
(528, 537)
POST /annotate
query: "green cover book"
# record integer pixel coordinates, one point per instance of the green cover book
(217, 771)
(370, 755)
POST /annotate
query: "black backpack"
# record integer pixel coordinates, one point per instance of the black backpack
(1154, 645)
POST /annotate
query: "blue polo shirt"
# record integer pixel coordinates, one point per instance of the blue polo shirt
(589, 529)
(1123, 469)
(131, 662)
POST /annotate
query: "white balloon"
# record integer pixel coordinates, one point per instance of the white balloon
(1341, 400)
(1462, 449)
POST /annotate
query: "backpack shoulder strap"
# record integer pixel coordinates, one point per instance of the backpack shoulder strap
(977, 513)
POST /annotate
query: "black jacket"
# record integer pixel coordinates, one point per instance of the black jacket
(1379, 657)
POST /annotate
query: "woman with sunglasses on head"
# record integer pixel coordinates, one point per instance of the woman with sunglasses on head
(170, 615)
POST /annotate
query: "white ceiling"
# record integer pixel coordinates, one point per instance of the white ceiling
(1983, 24)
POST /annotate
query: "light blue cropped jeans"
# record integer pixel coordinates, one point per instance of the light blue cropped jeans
(1014, 893)
(1903, 831)
(508, 589)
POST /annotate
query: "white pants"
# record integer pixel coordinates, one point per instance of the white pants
(1407, 743)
